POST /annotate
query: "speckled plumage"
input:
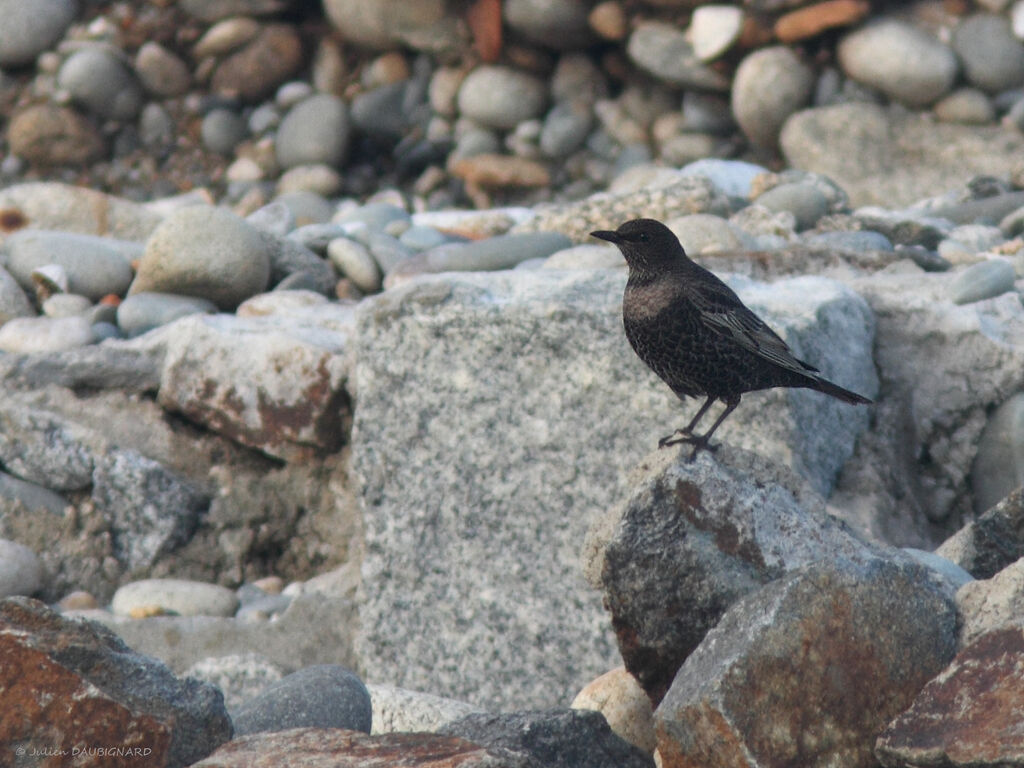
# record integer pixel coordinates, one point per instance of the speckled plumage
(694, 332)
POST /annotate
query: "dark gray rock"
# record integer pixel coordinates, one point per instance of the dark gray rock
(65, 677)
(321, 696)
(555, 738)
(985, 546)
(692, 539)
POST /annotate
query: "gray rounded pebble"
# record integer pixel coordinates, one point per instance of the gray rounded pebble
(31, 495)
(664, 50)
(222, 130)
(373, 215)
(992, 57)
(900, 60)
(65, 305)
(178, 596)
(566, 128)
(805, 201)
(968, 106)
(156, 126)
(999, 463)
(770, 85)
(95, 266)
(387, 250)
(275, 218)
(983, 280)
(316, 237)
(321, 696)
(162, 73)
(103, 330)
(29, 28)
(101, 83)
(558, 24)
(263, 608)
(501, 97)
(421, 238)
(353, 260)
(206, 252)
(316, 130)
(142, 312)
(21, 572)
(307, 207)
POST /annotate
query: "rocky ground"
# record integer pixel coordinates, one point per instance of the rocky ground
(314, 386)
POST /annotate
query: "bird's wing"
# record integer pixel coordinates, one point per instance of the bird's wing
(722, 311)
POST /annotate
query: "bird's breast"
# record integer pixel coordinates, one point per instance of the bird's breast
(646, 301)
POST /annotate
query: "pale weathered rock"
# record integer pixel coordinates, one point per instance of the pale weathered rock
(998, 467)
(988, 604)
(21, 571)
(692, 539)
(397, 709)
(312, 630)
(337, 748)
(276, 383)
(891, 156)
(79, 685)
(926, 427)
(967, 716)
(239, 676)
(446, 364)
(178, 596)
(808, 669)
(618, 696)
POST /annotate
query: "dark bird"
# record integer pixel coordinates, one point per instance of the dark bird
(694, 332)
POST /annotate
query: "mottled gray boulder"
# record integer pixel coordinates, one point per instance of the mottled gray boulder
(397, 709)
(988, 604)
(890, 156)
(556, 738)
(276, 382)
(808, 669)
(78, 684)
(496, 413)
(691, 540)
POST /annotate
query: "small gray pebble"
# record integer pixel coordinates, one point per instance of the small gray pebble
(143, 312)
(983, 280)
(222, 130)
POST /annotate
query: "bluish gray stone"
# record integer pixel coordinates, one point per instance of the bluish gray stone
(372, 215)
(983, 280)
(566, 128)
(222, 130)
(32, 495)
(13, 300)
(804, 201)
(558, 24)
(142, 312)
(421, 238)
(316, 130)
(382, 113)
(992, 57)
(101, 83)
(321, 696)
(95, 266)
(493, 253)
(316, 237)
(263, 608)
(858, 241)
(28, 29)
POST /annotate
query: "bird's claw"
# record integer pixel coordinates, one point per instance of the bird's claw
(699, 443)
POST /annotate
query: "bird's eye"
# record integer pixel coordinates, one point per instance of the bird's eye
(644, 237)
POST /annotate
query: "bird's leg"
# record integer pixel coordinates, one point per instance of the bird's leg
(688, 429)
(703, 442)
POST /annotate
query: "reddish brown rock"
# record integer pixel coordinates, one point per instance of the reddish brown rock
(256, 71)
(808, 669)
(970, 715)
(812, 20)
(484, 19)
(337, 748)
(46, 134)
(75, 694)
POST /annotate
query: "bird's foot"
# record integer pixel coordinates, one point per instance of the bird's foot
(699, 443)
(681, 435)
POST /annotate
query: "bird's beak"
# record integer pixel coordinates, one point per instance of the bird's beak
(604, 234)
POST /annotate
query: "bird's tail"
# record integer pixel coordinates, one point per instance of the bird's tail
(824, 385)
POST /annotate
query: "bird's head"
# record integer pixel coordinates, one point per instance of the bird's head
(645, 243)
